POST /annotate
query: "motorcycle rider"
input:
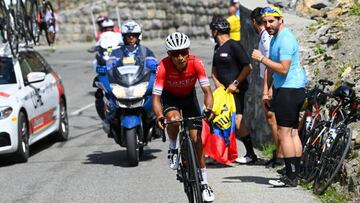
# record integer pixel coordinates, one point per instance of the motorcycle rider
(129, 51)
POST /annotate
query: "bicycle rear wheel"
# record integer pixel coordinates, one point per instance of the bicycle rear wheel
(12, 35)
(50, 31)
(194, 173)
(312, 152)
(332, 160)
(21, 22)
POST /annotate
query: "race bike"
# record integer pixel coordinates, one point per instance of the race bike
(127, 84)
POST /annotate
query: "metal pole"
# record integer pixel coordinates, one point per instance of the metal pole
(118, 16)
(93, 22)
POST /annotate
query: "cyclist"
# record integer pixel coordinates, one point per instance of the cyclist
(50, 21)
(105, 24)
(289, 83)
(174, 90)
(231, 67)
(131, 33)
(264, 48)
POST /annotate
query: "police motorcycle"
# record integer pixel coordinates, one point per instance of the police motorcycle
(127, 84)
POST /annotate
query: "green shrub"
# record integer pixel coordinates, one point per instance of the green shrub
(355, 10)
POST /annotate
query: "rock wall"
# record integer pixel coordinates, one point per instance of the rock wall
(158, 18)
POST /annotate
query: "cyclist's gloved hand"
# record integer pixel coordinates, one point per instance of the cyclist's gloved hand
(160, 122)
(100, 60)
(209, 114)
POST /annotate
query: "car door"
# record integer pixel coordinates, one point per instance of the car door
(38, 95)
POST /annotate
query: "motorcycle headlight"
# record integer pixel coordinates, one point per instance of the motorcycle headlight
(131, 92)
(5, 112)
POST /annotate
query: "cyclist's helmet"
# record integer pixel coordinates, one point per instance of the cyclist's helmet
(220, 24)
(131, 27)
(177, 41)
(100, 19)
(107, 23)
(344, 91)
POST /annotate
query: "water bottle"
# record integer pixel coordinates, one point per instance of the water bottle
(331, 137)
(308, 123)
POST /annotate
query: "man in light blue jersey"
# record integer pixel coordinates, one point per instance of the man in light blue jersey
(289, 91)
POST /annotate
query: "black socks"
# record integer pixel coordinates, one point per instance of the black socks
(292, 166)
(248, 145)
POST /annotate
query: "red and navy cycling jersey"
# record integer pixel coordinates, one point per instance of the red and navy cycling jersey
(180, 84)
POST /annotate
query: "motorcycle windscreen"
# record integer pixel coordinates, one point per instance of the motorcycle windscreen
(129, 75)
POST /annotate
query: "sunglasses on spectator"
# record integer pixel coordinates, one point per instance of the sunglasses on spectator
(182, 52)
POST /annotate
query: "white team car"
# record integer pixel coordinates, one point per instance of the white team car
(32, 104)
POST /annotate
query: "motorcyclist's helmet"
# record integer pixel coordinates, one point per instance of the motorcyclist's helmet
(100, 19)
(109, 40)
(221, 25)
(107, 23)
(177, 41)
(131, 27)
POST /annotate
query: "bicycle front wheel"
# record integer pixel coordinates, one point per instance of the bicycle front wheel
(332, 160)
(312, 152)
(194, 173)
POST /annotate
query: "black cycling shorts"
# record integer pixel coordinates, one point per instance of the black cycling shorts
(189, 106)
(287, 103)
(239, 98)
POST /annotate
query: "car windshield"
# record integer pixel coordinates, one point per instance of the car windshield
(7, 74)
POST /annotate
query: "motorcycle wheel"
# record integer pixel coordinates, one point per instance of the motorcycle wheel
(131, 145)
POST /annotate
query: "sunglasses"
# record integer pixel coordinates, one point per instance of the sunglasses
(183, 52)
(268, 10)
(132, 35)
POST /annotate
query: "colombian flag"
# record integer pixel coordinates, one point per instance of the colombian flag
(221, 144)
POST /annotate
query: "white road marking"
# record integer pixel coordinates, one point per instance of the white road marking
(77, 112)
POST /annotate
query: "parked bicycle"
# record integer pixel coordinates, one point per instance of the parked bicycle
(337, 143)
(189, 172)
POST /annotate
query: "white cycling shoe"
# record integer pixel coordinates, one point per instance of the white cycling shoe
(173, 159)
(207, 193)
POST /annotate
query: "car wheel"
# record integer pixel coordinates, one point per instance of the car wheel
(22, 152)
(63, 131)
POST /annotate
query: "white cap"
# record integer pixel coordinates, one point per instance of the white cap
(235, 1)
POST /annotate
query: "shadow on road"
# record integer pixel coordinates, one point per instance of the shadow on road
(41, 145)
(118, 157)
(247, 179)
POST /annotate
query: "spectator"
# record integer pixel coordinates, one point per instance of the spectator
(264, 48)
(236, 3)
(234, 21)
(231, 66)
(289, 94)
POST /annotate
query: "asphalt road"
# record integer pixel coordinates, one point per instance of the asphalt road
(90, 167)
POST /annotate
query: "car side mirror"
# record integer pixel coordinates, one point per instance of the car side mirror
(35, 77)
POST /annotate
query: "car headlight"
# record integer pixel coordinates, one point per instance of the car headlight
(131, 92)
(5, 112)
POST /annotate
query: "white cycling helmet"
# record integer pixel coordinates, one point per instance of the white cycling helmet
(177, 41)
(110, 39)
(107, 23)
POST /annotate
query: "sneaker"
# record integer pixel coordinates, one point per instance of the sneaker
(207, 193)
(173, 159)
(106, 127)
(246, 159)
(284, 181)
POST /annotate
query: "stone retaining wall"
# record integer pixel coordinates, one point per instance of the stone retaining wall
(158, 18)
